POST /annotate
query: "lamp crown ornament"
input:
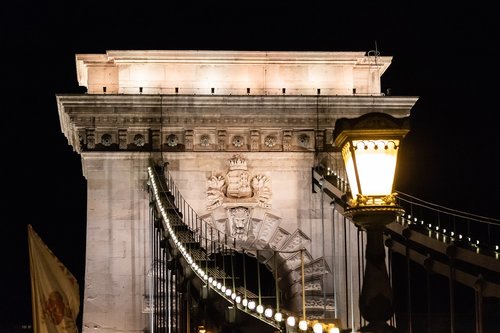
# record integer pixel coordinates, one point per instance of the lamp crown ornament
(362, 200)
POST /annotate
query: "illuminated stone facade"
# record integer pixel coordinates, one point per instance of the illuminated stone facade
(196, 110)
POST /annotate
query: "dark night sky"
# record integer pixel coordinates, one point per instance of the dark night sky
(446, 56)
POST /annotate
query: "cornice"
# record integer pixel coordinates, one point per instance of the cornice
(220, 118)
(235, 57)
(241, 101)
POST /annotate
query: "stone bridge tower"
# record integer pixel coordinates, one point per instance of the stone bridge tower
(241, 132)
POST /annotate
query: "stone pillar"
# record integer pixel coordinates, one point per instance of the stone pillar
(117, 252)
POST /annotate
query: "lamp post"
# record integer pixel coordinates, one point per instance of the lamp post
(369, 145)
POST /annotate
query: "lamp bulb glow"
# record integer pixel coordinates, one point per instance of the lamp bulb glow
(318, 328)
(303, 325)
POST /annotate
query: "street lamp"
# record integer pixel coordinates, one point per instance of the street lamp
(369, 145)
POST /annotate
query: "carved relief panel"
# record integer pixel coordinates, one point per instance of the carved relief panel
(239, 202)
(238, 186)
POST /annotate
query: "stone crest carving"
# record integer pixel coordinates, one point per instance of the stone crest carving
(237, 186)
(238, 179)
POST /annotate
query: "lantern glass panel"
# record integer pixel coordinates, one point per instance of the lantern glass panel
(375, 162)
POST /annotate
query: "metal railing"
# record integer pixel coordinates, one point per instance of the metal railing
(463, 228)
(477, 232)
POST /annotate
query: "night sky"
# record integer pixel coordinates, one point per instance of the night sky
(446, 56)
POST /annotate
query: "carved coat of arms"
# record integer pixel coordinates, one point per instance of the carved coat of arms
(238, 179)
(238, 187)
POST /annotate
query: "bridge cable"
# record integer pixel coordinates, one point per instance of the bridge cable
(276, 284)
(244, 275)
(258, 276)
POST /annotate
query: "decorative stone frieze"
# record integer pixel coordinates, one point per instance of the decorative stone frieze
(267, 123)
(238, 141)
(205, 140)
(292, 261)
(122, 139)
(139, 140)
(270, 141)
(155, 138)
(295, 242)
(278, 238)
(222, 140)
(313, 285)
(318, 267)
(287, 139)
(189, 140)
(106, 140)
(303, 140)
(254, 140)
(268, 226)
(172, 140)
(90, 140)
(318, 303)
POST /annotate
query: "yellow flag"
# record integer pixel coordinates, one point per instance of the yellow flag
(55, 295)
